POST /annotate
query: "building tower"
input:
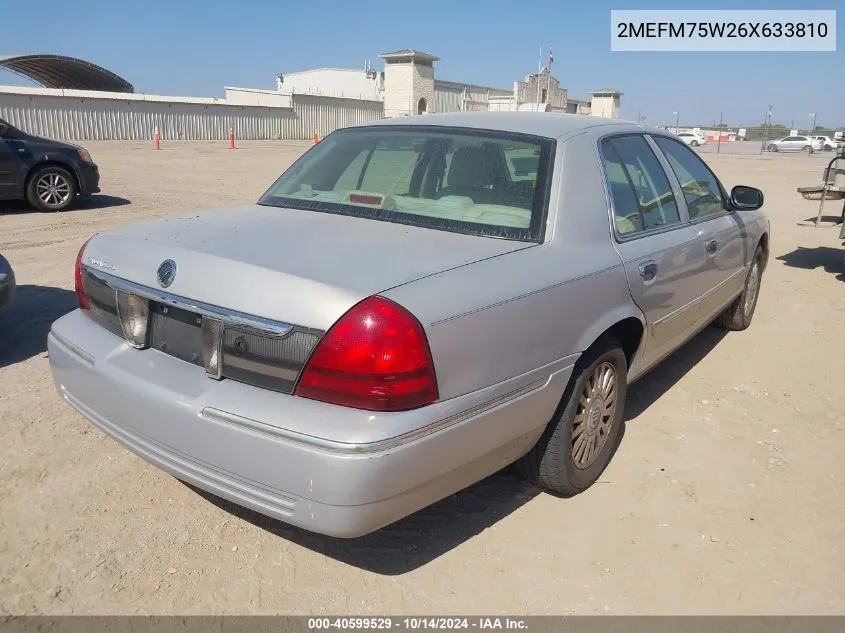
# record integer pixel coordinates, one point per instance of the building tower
(408, 83)
(605, 103)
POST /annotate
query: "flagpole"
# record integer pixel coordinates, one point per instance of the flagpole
(539, 69)
(549, 78)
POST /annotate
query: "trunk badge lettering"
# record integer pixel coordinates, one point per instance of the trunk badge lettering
(100, 263)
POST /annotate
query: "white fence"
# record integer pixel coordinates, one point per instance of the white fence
(74, 115)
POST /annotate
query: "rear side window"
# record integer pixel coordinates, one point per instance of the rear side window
(465, 181)
(642, 196)
(701, 189)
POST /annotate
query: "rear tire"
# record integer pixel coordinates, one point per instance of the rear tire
(51, 188)
(566, 466)
(737, 316)
(694, 143)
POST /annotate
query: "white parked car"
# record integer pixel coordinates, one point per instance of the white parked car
(828, 143)
(794, 144)
(691, 138)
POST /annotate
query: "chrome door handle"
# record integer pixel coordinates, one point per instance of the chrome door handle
(711, 246)
(648, 270)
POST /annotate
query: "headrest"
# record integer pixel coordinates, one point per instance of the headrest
(472, 167)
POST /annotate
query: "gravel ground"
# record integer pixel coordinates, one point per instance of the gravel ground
(725, 496)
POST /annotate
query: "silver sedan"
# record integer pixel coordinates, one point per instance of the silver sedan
(413, 305)
(795, 144)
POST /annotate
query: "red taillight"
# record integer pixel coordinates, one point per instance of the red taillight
(77, 275)
(376, 357)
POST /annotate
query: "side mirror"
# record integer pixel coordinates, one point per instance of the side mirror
(746, 198)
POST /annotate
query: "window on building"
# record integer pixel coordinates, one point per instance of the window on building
(543, 96)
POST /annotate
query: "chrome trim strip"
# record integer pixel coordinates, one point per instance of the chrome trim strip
(230, 317)
(697, 300)
(348, 448)
(61, 340)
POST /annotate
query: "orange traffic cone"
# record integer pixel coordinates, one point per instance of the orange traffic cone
(156, 139)
(231, 138)
(316, 137)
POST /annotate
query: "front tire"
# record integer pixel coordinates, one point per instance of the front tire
(581, 438)
(51, 188)
(737, 316)
(694, 143)
(772, 148)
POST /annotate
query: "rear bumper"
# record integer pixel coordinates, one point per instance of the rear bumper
(173, 416)
(89, 178)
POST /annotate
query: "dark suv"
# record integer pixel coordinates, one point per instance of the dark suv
(49, 174)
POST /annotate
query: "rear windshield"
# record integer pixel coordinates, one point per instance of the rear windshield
(465, 181)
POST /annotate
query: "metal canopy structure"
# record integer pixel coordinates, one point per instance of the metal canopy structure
(69, 73)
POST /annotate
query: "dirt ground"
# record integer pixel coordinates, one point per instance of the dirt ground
(724, 497)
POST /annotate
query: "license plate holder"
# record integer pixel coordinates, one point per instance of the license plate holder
(176, 332)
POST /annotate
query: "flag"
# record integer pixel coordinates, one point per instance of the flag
(551, 59)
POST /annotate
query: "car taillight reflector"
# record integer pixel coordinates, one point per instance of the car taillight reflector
(210, 333)
(134, 314)
(376, 357)
(77, 276)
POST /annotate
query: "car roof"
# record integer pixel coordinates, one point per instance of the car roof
(548, 124)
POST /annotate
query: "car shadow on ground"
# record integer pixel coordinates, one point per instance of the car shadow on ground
(831, 259)
(648, 389)
(413, 541)
(429, 533)
(102, 201)
(24, 325)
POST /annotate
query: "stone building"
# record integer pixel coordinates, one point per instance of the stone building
(408, 86)
(409, 82)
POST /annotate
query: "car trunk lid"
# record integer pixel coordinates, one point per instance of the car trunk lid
(295, 266)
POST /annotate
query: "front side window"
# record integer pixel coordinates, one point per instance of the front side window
(701, 189)
(465, 181)
(642, 196)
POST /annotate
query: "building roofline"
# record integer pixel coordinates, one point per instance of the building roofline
(314, 70)
(469, 85)
(410, 52)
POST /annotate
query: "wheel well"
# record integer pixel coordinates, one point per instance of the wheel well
(629, 333)
(52, 163)
(764, 244)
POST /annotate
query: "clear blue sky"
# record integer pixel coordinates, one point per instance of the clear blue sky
(195, 47)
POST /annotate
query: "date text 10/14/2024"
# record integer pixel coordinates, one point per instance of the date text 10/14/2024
(417, 624)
